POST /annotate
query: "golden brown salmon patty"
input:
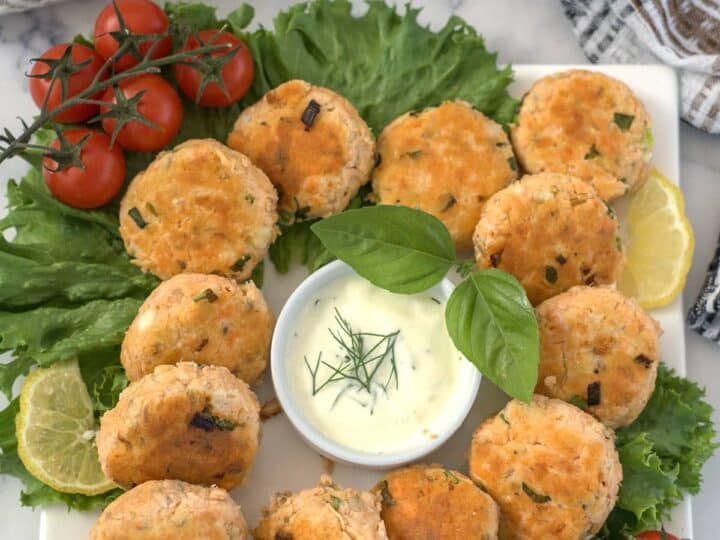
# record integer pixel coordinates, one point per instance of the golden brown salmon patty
(200, 318)
(428, 501)
(312, 144)
(446, 161)
(171, 509)
(326, 512)
(200, 207)
(552, 469)
(186, 422)
(598, 350)
(586, 124)
(551, 231)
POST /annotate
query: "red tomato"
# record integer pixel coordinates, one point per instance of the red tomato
(656, 535)
(237, 73)
(160, 104)
(141, 17)
(98, 182)
(77, 83)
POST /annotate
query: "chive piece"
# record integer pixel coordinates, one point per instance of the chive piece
(551, 274)
(560, 259)
(611, 212)
(648, 138)
(335, 502)
(249, 198)
(208, 422)
(310, 113)
(136, 216)
(536, 497)
(151, 208)
(618, 243)
(387, 498)
(435, 300)
(579, 402)
(504, 418)
(414, 154)
(240, 263)
(207, 294)
(500, 144)
(449, 203)
(513, 163)
(592, 153)
(623, 121)
(644, 360)
(495, 259)
(451, 477)
(593, 394)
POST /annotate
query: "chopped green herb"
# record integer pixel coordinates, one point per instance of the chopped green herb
(534, 495)
(644, 360)
(208, 422)
(207, 294)
(551, 274)
(240, 263)
(335, 502)
(592, 153)
(310, 113)
(648, 138)
(151, 208)
(500, 144)
(451, 476)
(435, 300)
(387, 498)
(513, 163)
(504, 418)
(414, 154)
(249, 198)
(579, 402)
(136, 216)
(618, 243)
(593, 394)
(624, 180)
(560, 259)
(623, 121)
(449, 203)
(611, 212)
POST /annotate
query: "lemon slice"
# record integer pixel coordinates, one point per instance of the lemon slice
(659, 243)
(56, 431)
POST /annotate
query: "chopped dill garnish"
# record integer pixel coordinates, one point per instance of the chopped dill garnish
(363, 354)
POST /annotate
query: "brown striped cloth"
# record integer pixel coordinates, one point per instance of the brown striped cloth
(684, 34)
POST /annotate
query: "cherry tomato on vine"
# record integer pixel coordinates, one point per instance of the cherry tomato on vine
(141, 17)
(237, 73)
(77, 82)
(159, 103)
(95, 184)
(656, 535)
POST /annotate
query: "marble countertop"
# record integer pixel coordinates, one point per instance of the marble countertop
(522, 31)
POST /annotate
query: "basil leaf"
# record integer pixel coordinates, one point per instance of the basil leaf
(492, 323)
(399, 249)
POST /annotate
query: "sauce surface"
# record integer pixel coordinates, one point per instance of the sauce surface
(392, 403)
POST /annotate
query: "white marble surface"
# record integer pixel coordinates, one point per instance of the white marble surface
(522, 31)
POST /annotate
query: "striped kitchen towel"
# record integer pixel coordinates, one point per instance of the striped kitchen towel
(684, 34)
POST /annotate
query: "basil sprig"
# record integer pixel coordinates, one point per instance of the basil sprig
(488, 316)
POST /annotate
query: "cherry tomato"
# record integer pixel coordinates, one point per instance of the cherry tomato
(656, 535)
(77, 83)
(95, 184)
(141, 17)
(159, 103)
(237, 73)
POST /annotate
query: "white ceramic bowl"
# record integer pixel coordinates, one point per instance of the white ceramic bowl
(468, 385)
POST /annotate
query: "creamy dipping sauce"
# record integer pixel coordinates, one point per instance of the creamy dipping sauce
(401, 394)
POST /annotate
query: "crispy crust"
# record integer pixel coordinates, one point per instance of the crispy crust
(172, 325)
(547, 448)
(163, 509)
(316, 169)
(565, 115)
(208, 210)
(447, 161)
(596, 335)
(551, 231)
(149, 435)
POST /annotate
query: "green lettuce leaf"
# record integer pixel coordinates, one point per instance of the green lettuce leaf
(662, 454)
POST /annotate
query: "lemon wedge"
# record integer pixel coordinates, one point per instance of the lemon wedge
(56, 431)
(659, 243)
